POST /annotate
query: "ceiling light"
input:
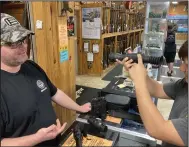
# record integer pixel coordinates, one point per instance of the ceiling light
(174, 2)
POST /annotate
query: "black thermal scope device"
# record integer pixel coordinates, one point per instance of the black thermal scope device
(133, 56)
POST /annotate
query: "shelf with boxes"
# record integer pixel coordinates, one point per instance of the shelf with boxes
(178, 18)
(107, 27)
(181, 21)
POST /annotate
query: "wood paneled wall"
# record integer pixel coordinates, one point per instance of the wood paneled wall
(47, 50)
(96, 68)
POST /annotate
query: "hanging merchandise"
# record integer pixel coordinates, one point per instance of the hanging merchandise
(70, 26)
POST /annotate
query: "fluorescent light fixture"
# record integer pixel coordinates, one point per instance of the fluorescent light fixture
(174, 2)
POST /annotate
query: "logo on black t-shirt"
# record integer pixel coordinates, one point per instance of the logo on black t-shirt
(41, 85)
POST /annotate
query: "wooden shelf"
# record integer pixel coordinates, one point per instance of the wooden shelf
(116, 41)
(107, 35)
(132, 13)
(156, 19)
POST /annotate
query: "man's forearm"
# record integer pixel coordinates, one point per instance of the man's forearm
(150, 115)
(152, 86)
(65, 101)
(30, 140)
(156, 89)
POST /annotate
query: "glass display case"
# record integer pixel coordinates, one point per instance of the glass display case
(153, 44)
(155, 28)
(157, 25)
(156, 16)
(157, 10)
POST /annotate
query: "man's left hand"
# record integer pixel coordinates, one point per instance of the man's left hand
(85, 108)
(138, 72)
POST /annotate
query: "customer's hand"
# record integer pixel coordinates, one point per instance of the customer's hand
(137, 72)
(85, 108)
(126, 63)
(51, 132)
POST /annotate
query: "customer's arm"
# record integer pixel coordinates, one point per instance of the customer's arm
(153, 121)
(164, 91)
(156, 89)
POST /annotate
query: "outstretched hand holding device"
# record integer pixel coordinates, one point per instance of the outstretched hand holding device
(137, 71)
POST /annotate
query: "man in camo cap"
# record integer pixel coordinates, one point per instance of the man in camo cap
(27, 116)
(13, 36)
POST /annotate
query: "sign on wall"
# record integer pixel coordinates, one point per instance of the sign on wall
(63, 43)
(91, 23)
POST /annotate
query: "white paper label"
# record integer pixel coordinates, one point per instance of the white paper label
(95, 48)
(86, 46)
(39, 24)
(90, 57)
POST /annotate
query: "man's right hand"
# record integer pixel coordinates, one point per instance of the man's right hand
(51, 132)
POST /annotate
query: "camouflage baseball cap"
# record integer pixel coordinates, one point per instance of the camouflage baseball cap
(11, 29)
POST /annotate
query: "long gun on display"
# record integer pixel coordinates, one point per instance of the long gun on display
(114, 20)
(111, 22)
(146, 59)
(105, 21)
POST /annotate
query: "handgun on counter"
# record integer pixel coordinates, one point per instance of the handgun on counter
(80, 130)
(78, 133)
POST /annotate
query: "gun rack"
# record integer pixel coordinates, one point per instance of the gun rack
(121, 27)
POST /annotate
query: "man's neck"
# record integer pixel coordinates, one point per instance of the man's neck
(11, 69)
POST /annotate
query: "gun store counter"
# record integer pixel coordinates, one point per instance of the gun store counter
(83, 133)
(114, 119)
(130, 132)
(111, 132)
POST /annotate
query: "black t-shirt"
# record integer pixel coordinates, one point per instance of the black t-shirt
(170, 45)
(26, 102)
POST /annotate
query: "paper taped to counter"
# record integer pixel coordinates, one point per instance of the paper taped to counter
(113, 119)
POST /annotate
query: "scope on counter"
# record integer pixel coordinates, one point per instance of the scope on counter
(146, 59)
(98, 124)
